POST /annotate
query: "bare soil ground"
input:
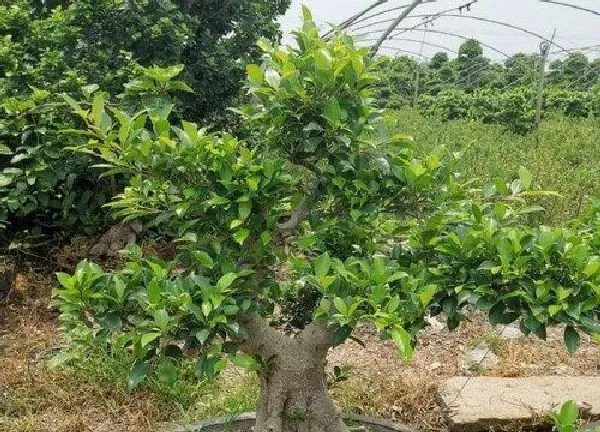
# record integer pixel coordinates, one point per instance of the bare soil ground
(384, 386)
(36, 399)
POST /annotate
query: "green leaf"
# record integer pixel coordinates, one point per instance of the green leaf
(89, 89)
(74, 105)
(333, 111)
(255, 74)
(191, 130)
(167, 372)
(499, 315)
(572, 339)
(119, 288)
(241, 235)
(306, 14)
(273, 78)
(265, 237)
(213, 365)
(525, 177)
(244, 209)
(322, 265)
(403, 341)
(66, 280)
(153, 291)
(163, 74)
(393, 304)
(181, 86)
(590, 325)
(245, 361)
(5, 150)
(199, 367)
(593, 266)
(554, 309)
(217, 200)
(202, 336)
(12, 170)
(5, 180)
(147, 338)
(231, 309)
(136, 375)
(161, 319)
(265, 45)
(323, 59)
(569, 413)
(426, 295)
(204, 259)
(340, 305)
(324, 307)
(206, 309)
(98, 109)
(226, 280)
(111, 321)
(378, 294)
(341, 335)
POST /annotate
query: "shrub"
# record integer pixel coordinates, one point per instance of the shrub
(51, 47)
(45, 187)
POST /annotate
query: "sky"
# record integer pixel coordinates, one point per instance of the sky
(574, 28)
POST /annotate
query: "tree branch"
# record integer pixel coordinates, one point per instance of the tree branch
(319, 334)
(299, 213)
(260, 338)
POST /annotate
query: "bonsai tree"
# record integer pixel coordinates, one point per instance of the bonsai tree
(318, 222)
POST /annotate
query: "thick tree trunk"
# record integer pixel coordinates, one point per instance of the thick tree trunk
(293, 395)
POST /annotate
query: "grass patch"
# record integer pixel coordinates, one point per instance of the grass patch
(90, 392)
(563, 156)
(496, 343)
(233, 393)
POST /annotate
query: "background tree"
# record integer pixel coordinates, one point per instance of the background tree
(319, 199)
(439, 60)
(61, 46)
(471, 65)
(474, 87)
(521, 69)
(65, 44)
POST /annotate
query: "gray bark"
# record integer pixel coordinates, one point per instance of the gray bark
(293, 394)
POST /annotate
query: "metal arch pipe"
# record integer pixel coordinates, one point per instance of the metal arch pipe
(394, 24)
(490, 47)
(501, 23)
(443, 47)
(393, 9)
(573, 6)
(402, 50)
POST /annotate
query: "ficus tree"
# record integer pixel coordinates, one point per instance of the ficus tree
(319, 204)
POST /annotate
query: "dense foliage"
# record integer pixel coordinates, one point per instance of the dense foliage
(51, 47)
(319, 197)
(471, 86)
(46, 187)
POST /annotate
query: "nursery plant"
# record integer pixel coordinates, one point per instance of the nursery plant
(316, 223)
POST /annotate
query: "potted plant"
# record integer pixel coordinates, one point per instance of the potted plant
(319, 204)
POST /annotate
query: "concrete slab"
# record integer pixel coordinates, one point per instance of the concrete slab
(475, 404)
